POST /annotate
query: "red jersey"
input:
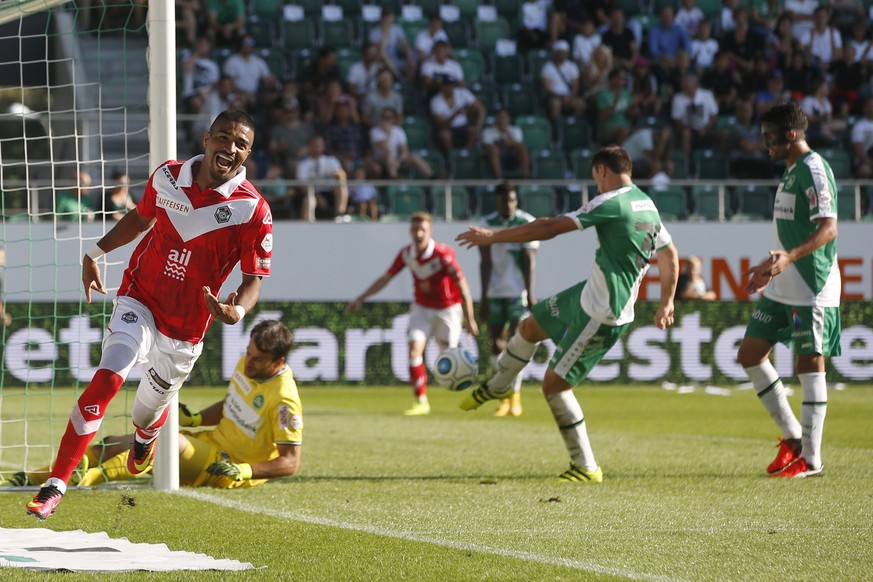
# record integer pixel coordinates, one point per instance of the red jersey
(433, 273)
(197, 240)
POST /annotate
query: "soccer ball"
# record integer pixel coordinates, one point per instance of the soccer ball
(456, 369)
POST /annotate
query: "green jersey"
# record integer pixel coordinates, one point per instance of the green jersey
(629, 230)
(806, 193)
(507, 275)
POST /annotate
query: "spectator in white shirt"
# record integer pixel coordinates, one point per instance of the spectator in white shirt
(801, 12)
(585, 42)
(428, 37)
(862, 142)
(457, 116)
(390, 150)
(440, 65)
(533, 32)
(249, 71)
(694, 112)
(824, 130)
(689, 17)
(704, 47)
(327, 202)
(362, 75)
(823, 43)
(504, 146)
(560, 79)
(393, 44)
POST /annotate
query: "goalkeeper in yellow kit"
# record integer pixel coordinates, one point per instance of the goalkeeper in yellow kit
(258, 430)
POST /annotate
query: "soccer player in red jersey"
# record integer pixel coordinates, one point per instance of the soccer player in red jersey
(442, 301)
(201, 217)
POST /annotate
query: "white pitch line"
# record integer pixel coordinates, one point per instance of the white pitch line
(406, 535)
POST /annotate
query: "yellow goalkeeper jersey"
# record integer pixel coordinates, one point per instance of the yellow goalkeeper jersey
(258, 416)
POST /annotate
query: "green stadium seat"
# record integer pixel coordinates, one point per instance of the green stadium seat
(337, 33)
(507, 69)
(706, 202)
(575, 133)
(508, 9)
(351, 8)
(680, 164)
(538, 200)
(429, 7)
(404, 200)
(671, 201)
(298, 62)
(411, 28)
(580, 162)
(275, 60)
(268, 10)
(460, 202)
(846, 210)
(535, 61)
(486, 93)
(310, 7)
(710, 165)
(297, 35)
(710, 8)
(467, 8)
(519, 100)
(488, 32)
(630, 7)
(839, 161)
(345, 58)
(485, 201)
(434, 159)
(418, 132)
(472, 63)
(548, 165)
(536, 131)
(754, 200)
(466, 164)
(262, 31)
(458, 33)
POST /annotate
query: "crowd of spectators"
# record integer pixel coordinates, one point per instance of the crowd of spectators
(406, 90)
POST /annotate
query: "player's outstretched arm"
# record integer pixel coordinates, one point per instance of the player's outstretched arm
(539, 229)
(238, 302)
(124, 231)
(668, 272)
(377, 286)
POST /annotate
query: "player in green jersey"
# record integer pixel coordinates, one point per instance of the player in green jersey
(587, 319)
(507, 274)
(801, 286)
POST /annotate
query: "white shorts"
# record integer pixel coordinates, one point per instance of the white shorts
(165, 362)
(443, 324)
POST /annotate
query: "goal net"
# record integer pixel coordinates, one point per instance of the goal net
(74, 145)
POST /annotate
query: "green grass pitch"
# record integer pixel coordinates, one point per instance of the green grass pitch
(466, 496)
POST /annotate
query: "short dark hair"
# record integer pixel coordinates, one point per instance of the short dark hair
(504, 188)
(615, 158)
(273, 337)
(234, 116)
(786, 116)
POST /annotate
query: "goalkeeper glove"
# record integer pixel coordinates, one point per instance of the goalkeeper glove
(188, 418)
(236, 472)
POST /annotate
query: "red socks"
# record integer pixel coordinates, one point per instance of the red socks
(418, 379)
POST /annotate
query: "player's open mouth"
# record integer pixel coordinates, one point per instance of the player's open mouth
(224, 163)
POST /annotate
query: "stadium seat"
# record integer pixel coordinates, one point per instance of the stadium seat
(680, 164)
(488, 32)
(710, 8)
(538, 200)
(508, 9)
(404, 200)
(345, 58)
(507, 69)
(706, 202)
(297, 35)
(429, 7)
(266, 9)
(310, 7)
(710, 165)
(629, 7)
(467, 8)
(460, 202)
(458, 33)
(754, 201)
(418, 132)
(486, 93)
(574, 132)
(351, 8)
(299, 60)
(411, 28)
(434, 159)
(466, 164)
(275, 60)
(548, 165)
(840, 163)
(536, 132)
(262, 31)
(472, 63)
(535, 61)
(485, 202)
(337, 34)
(580, 162)
(671, 202)
(519, 100)
(846, 210)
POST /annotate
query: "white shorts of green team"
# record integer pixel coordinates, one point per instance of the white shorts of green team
(444, 324)
(165, 362)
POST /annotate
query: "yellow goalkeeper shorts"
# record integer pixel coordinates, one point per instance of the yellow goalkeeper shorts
(196, 458)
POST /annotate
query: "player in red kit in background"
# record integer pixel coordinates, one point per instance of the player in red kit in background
(442, 301)
(201, 218)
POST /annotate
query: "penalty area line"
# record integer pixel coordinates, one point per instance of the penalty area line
(410, 536)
